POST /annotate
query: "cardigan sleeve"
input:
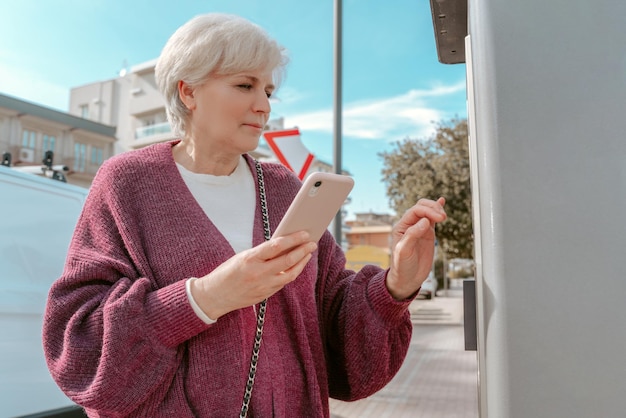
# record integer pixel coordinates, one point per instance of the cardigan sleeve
(112, 340)
(366, 331)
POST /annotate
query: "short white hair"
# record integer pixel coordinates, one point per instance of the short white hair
(218, 44)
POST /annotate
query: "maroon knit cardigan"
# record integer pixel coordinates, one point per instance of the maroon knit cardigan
(122, 340)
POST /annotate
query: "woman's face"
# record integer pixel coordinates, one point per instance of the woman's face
(229, 111)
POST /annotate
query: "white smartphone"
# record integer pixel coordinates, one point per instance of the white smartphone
(316, 204)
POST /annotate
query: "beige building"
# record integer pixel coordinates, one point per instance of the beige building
(368, 240)
(28, 130)
(371, 229)
(374, 235)
(130, 102)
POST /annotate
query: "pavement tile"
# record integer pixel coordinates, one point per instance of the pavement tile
(438, 378)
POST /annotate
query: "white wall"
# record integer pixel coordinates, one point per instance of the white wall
(547, 99)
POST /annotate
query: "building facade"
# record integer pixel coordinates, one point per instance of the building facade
(369, 228)
(368, 240)
(28, 131)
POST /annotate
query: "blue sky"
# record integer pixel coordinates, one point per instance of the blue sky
(393, 85)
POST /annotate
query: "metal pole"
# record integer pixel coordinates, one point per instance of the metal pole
(445, 274)
(337, 112)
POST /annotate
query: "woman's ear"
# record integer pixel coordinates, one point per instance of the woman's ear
(185, 92)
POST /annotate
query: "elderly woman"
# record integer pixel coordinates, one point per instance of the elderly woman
(174, 302)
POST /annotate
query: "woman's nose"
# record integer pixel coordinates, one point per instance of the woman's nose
(262, 103)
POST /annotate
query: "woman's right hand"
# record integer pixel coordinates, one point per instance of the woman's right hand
(253, 275)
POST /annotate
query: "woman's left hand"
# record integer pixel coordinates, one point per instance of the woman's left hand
(413, 247)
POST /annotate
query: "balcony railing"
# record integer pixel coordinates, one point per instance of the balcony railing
(151, 130)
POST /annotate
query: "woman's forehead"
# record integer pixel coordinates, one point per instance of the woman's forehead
(256, 75)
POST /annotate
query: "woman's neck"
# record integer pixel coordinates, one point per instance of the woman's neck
(204, 161)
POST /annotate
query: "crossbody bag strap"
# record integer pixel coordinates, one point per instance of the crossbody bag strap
(260, 317)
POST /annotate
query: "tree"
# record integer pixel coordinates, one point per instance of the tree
(433, 167)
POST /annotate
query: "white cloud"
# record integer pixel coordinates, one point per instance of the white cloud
(288, 95)
(408, 115)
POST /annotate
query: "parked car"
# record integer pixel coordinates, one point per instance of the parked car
(37, 219)
(429, 287)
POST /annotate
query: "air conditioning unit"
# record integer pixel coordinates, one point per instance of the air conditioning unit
(27, 155)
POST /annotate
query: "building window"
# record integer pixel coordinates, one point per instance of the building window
(80, 154)
(29, 139)
(48, 143)
(97, 155)
(155, 124)
(84, 111)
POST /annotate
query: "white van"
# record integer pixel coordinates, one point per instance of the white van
(37, 219)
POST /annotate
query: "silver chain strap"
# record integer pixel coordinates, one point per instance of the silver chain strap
(260, 317)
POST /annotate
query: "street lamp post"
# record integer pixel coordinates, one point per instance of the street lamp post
(337, 111)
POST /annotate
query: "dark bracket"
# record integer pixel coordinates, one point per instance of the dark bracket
(450, 24)
(469, 314)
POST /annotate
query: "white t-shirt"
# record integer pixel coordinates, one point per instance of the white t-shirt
(229, 202)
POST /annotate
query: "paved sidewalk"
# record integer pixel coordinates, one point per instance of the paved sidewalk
(438, 379)
(440, 310)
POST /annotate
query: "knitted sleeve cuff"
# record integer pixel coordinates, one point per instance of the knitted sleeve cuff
(388, 308)
(194, 304)
(171, 316)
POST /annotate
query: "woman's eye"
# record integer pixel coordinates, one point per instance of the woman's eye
(269, 94)
(245, 86)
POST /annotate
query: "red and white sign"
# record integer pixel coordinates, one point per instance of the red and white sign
(290, 151)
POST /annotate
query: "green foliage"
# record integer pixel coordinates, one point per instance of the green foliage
(430, 168)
